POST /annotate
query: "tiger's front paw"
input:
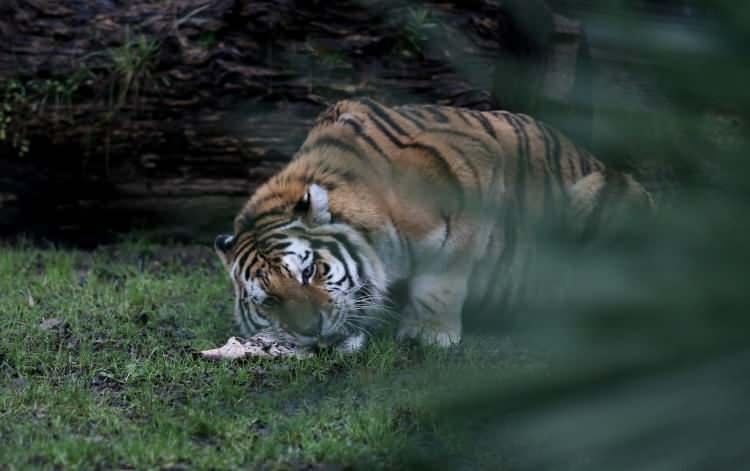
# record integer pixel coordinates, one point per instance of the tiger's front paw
(352, 344)
(429, 335)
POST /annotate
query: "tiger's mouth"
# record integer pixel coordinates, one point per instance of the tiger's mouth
(345, 327)
(321, 340)
(345, 338)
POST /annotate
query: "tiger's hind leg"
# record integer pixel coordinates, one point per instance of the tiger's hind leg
(433, 313)
(602, 203)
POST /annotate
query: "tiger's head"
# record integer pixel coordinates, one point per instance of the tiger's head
(310, 279)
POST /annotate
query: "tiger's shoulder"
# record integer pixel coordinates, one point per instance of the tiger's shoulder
(357, 146)
(385, 131)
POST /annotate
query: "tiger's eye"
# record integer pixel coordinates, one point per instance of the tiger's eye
(270, 302)
(308, 273)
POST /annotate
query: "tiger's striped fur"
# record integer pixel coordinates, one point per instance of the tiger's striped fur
(422, 196)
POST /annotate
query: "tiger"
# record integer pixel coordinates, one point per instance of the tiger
(434, 202)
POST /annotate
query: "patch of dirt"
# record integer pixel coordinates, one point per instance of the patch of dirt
(59, 330)
(169, 329)
(53, 324)
(151, 260)
(110, 389)
(104, 382)
(154, 259)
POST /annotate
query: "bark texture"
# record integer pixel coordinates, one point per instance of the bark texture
(118, 115)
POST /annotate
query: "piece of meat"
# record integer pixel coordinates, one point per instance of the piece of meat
(262, 345)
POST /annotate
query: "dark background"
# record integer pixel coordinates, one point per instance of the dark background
(164, 116)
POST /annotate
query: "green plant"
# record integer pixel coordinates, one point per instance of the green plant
(14, 97)
(23, 99)
(131, 65)
(415, 33)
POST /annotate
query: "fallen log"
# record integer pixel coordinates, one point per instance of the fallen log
(120, 115)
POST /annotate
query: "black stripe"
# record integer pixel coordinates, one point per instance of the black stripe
(460, 114)
(447, 222)
(277, 246)
(582, 161)
(520, 163)
(426, 306)
(394, 140)
(527, 153)
(404, 113)
(548, 199)
(266, 238)
(571, 164)
(243, 258)
(346, 175)
(350, 248)
(479, 116)
(367, 138)
(461, 154)
(249, 268)
(275, 225)
(338, 144)
(281, 267)
(334, 249)
(418, 113)
(546, 142)
(344, 278)
(436, 113)
(270, 196)
(525, 138)
(353, 252)
(246, 319)
(524, 118)
(383, 115)
(254, 222)
(556, 149)
(463, 134)
(470, 164)
(441, 161)
(242, 243)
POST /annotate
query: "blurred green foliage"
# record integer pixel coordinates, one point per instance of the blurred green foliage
(648, 352)
(23, 99)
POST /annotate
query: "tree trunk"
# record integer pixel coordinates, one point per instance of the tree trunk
(119, 115)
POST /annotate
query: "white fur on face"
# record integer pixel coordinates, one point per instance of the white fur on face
(336, 272)
(294, 260)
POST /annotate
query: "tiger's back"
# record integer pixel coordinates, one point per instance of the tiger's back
(440, 193)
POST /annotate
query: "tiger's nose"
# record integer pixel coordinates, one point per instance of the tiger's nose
(301, 317)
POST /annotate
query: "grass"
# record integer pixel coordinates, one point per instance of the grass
(98, 369)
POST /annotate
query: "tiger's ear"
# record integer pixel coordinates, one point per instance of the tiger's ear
(314, 205)
(222, 245)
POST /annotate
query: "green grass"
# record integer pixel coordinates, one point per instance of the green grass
(117, 383)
